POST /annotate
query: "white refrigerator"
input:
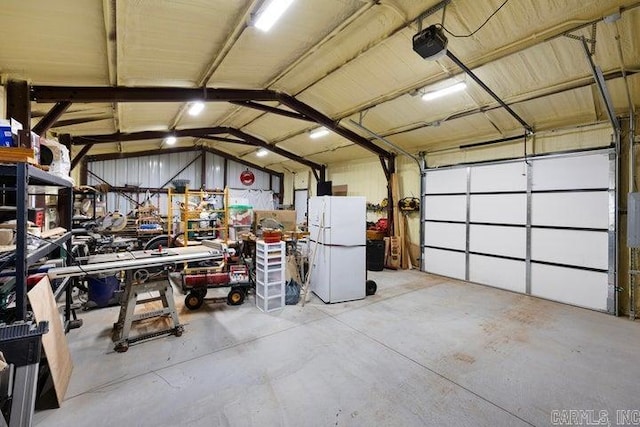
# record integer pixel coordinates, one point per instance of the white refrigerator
(337, 231)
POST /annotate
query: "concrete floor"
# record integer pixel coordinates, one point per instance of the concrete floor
(424, 350)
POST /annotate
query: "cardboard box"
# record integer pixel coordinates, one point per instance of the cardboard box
(340, 190)
(286, 218)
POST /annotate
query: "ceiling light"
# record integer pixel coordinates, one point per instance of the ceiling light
(271, 13)
(196, 108)
(170, 140)
(318, 133)
(446, 91)
(262, 152)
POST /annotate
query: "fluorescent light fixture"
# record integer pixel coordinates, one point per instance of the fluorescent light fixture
(446, 91)
(318, 133)
(196, 108)
(262, 152)
(271, 13)
(170, 140)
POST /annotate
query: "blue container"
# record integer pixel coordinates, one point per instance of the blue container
(102, 289)
(6, 138)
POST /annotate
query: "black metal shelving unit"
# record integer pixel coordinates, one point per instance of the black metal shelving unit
(26, 180)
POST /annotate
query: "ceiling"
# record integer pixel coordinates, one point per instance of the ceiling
(349, 59)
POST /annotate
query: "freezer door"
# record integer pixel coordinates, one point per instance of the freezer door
(319, 270)
(347, 272)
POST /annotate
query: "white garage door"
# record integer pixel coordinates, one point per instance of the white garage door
(545, 227)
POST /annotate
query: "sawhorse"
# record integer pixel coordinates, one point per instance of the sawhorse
(128, 303)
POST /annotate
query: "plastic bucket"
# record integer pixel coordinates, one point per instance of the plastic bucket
(101, 289)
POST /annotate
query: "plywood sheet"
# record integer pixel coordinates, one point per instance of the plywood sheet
(54, 342)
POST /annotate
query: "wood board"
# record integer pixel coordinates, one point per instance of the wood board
(16, 155)
(399, 224)
(54, 342)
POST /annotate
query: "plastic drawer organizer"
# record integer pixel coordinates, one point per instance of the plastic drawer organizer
(270, 272)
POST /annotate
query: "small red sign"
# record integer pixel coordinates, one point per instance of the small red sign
(247, 177)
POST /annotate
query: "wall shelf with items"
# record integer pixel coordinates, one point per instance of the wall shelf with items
(18, 184)
(196, 215)
(270, 275)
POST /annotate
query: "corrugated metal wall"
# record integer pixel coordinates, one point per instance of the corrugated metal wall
(234, 170)
(157, 171)
(214, 171)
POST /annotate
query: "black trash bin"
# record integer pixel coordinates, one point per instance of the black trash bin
(375, 255)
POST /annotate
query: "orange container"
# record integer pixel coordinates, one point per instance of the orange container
(271, 236)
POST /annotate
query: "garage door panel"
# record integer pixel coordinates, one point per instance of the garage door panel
(545, 234)
(572, 286)
(571, 247)
(498, 272)
(445, 235)
(446, 181)
(580, 209)
(576, 172)
(496, 178)
(445, 263)
(446, 208)
(499, 208)
(497, 240)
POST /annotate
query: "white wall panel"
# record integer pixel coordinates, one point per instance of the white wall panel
(578, 287)
(580, 209)
(498, 272)
(214, 171)
(501, 177)
(446, 181)
(572, 247)
(575, 172)
(445, 235)
(276, 184)
(147, 171)
(171, 164)
(445, 208)
(161, 203)
(445, 263)
(499, 208)
(496, 240)
(234, 169)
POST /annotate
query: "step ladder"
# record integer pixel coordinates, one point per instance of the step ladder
(136, 285)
